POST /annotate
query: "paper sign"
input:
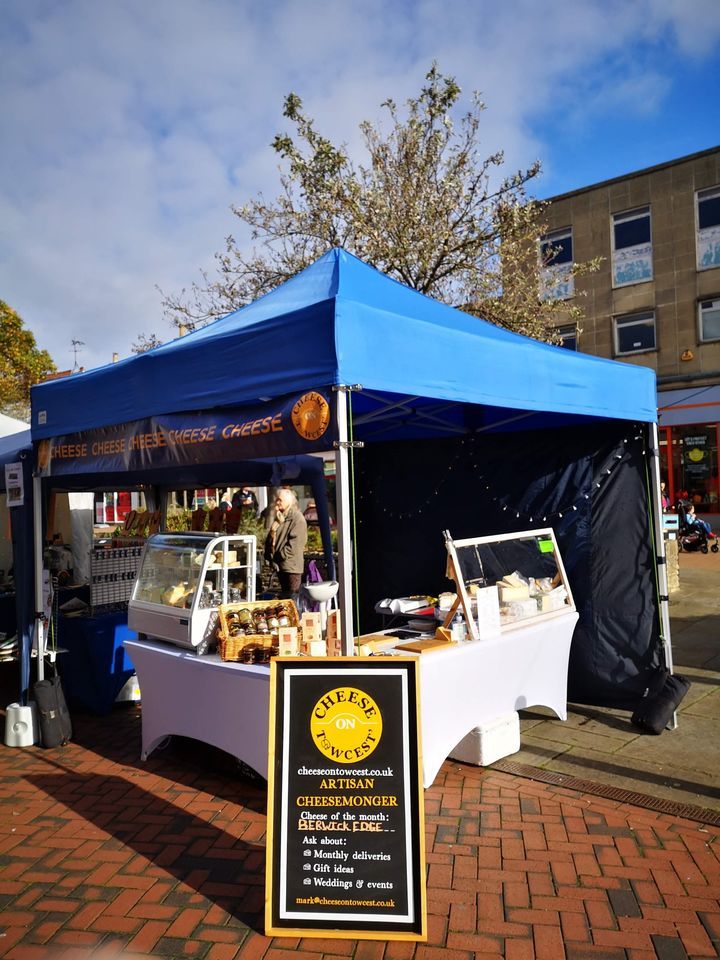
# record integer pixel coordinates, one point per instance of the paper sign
(488, 612)
(14, 487)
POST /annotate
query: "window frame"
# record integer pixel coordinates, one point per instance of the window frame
(710, 193)
(568, 331)
(635, 213)
(554, 274)
(636, 317)
(715, 300)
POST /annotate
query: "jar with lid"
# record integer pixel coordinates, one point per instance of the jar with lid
(458, 629)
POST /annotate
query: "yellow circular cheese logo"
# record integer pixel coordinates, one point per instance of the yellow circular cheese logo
(311, 416)
(696, 455)
(346, 725)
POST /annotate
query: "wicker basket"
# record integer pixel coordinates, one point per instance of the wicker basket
(251, 647)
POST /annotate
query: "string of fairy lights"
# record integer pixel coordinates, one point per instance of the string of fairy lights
(502, 502)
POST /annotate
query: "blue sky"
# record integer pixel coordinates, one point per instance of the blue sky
(129, 128)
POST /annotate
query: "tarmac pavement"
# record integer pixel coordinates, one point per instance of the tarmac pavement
(600, 844)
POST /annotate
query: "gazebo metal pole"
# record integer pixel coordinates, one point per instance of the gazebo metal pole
(660, 556)
(342, 500)
(38, 541)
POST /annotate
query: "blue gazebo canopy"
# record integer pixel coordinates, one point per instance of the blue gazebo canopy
(341, 321)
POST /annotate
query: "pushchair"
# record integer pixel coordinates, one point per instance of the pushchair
(692, 535)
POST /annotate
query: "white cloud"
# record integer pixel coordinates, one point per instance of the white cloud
(129, 128)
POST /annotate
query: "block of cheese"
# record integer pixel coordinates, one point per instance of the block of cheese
(519, 609)
(317, 648)
(508, 592)
(551, 601)
(174, 595)
(231, 556)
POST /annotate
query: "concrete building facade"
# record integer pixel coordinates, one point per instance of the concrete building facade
(655, 300)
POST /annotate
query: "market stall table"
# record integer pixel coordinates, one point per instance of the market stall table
(217, 702)
(226, 704)
(474, 683)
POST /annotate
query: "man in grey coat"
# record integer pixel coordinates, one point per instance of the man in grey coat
(285, 544)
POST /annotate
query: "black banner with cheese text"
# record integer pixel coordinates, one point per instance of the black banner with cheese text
(302, 423)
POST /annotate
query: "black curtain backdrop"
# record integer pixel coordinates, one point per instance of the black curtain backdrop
(407, 493)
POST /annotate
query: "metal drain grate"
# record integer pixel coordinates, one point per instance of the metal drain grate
(686, 810)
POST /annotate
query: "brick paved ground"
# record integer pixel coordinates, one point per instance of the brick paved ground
(102, 856)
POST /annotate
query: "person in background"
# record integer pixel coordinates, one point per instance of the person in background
(664, 499)
(246, 499)
(226, 502)
(285, 544)
(694, 521)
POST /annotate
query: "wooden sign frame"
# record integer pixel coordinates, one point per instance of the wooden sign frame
(345, 823)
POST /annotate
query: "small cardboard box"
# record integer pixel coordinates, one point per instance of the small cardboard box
(334, 646)
(311, 626)
(332, 634)
(317, 648)
(333, 624)
(288, 643)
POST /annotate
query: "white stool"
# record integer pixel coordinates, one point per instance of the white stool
(21, 729)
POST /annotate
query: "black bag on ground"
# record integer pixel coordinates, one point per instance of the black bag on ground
(53, 714)
(656, 708)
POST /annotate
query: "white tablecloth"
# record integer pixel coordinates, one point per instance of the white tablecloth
(220, 703)
(477, 682)
(461, 688)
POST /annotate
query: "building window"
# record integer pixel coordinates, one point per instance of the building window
(635, 333)
(709, 320)
(708, 228)
(632, 247)
(568, 334)
(556, 262)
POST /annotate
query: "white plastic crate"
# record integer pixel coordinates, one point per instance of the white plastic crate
(490, 741)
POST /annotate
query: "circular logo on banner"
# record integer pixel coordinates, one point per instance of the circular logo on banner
(696, 455)
(346, 725)
(43, 455)
(311, 415)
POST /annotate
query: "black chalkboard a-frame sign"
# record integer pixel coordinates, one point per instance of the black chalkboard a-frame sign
(345, 835)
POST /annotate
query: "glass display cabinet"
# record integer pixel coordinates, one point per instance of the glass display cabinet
(513, 578)
(183, 579)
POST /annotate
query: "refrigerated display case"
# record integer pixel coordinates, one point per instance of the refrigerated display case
(183, 580)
